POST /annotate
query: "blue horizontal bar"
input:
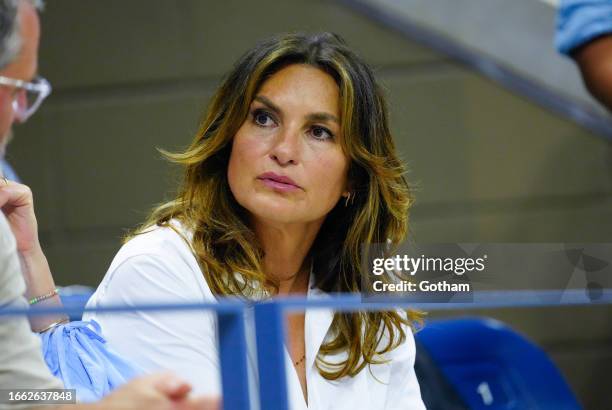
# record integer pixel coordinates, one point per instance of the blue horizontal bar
(353, 302)
(223, 306)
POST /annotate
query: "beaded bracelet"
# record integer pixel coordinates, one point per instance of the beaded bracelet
(43, 297)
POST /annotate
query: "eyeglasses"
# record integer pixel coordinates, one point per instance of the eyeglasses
(28, 95)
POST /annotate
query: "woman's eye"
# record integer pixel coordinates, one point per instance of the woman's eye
(321, 133)
(262, 118)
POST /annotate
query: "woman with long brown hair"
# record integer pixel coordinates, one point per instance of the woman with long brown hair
(292, 171)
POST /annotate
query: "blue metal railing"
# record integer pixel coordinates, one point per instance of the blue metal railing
(270, 329)
(232, 346)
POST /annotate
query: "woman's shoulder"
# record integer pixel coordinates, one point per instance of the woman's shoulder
(168, 240)
(157, 261)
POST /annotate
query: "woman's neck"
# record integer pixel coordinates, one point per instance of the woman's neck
(286, 247)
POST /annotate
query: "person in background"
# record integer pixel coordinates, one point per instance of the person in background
(10, 47)
(21, 363)
(584, 33)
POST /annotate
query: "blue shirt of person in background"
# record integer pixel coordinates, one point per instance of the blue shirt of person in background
(580, 21)
(584, 33)
(8, 171)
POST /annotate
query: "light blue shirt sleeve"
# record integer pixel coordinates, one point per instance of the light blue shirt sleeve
(77, 354)
(8, 171)
(579, 21)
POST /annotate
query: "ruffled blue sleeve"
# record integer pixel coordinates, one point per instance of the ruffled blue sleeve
(579, 21)
(77, 354)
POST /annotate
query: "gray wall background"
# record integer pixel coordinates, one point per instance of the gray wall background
(489, 166)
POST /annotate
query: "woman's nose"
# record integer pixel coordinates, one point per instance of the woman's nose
(286, 149)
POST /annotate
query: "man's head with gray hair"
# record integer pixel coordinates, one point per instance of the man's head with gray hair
(9, 31)
(10, 40)
(19, 37)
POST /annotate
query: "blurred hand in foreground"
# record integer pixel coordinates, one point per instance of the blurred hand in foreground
(156, 392)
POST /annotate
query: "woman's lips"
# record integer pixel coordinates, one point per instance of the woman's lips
(279, 186)
(278, 182)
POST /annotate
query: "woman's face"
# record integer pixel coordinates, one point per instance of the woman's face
(286, 163)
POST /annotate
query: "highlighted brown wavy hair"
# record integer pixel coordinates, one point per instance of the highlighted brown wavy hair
(223, 241)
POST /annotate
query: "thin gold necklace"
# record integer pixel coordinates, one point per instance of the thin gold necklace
(297, 363)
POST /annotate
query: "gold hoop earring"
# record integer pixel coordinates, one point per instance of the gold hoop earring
(348, 198)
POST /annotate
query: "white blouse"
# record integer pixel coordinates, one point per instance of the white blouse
(159, 267)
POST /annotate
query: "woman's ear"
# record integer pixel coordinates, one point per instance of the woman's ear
(348, 188)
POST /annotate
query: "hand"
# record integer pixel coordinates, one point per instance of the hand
(156, 392)
(17, 205)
